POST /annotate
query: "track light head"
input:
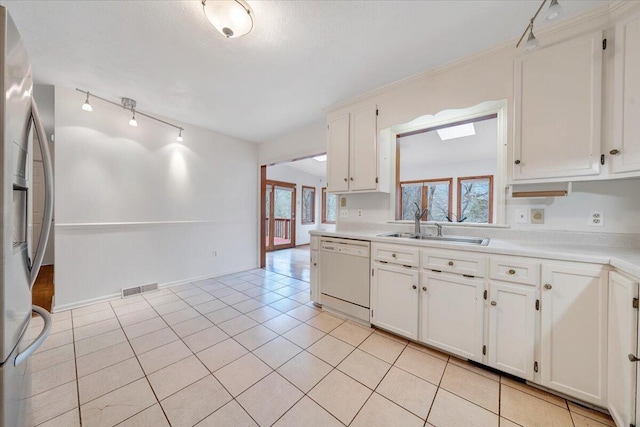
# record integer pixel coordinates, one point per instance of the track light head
(133, 121)
(179, 138)
(554, 11)
(86, 106)
(532, 42)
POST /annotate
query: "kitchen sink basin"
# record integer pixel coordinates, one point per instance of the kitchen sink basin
(482, 241)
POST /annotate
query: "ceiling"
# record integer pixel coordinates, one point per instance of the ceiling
(310, 166)
(301, 57)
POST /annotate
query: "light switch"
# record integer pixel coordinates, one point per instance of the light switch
(537, 216)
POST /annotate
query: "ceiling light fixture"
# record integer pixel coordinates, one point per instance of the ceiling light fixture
(554, 11)
(130, 105)
(232, 18)
(86, 106)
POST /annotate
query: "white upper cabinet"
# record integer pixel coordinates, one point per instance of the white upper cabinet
(338, 154)
(356, 160)
(625, 150)
(558, 117)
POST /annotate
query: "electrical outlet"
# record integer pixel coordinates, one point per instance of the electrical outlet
(344, 213)
(215, 253)
(537, 216)
(596, 219)
(521, 216)
(359, 213)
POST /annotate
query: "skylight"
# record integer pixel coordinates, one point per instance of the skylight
(454, 132)
(323, 158)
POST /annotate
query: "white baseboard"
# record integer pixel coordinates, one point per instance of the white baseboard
(78, 304)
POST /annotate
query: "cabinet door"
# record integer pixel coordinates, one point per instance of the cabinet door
(338, 154)
(626, 131)
(557, 117)
(363, 156)
(315, 279)
(623, 334)
(394, 299)
(512, 328)
(574, 330)
(451, 314)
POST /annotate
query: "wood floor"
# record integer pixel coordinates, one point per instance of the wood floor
(43, 288)
(290, 262)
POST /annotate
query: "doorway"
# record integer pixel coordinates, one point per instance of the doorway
(280, 218)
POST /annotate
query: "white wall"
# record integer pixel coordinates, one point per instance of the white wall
(286, 173)
(133, 206)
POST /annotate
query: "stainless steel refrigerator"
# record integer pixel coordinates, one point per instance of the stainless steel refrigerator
(22, 253)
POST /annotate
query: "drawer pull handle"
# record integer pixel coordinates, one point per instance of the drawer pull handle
(494, 303)
(394, 255)
(512, 271)
(614, 152)
(424, 288)
(414, 287)
(450, 263)
(548, 286)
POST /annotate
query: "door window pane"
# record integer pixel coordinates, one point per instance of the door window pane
(308, 205)
(475, 199)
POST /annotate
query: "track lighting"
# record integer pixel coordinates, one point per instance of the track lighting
(86, 106)
(129, 105)
(554, 11)
(133, 122)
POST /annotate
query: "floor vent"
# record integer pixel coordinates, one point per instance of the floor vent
(127, 292)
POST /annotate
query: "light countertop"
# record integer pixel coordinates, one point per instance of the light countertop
(624, 259)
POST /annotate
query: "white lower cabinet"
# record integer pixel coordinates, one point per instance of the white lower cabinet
(623, 336)
(512, 328)
(451, 314)
(394, 299)
(574, 330)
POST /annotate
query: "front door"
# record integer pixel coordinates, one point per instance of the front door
(280, 220)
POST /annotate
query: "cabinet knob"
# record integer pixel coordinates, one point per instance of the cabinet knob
(394, 255)
(450, 263)
(511, 271)
(548, 286)
(414, 287)
(315, 264)
(633, 358)
(351, 178)
(424, 288)
(614, 152)
(345, 180)
(494, 303)
(517, 162)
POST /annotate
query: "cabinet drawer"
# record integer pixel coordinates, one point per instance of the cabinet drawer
(396, 254)
(455, 262)
(516, 270)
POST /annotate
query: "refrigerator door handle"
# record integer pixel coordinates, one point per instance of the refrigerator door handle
(38, 256)
(21, 357)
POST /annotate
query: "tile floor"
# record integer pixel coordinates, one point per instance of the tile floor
(250, 349)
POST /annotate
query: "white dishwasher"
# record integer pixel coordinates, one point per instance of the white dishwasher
(344, 276)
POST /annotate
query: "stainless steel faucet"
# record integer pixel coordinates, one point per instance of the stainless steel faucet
(418, 216)
(439, 227)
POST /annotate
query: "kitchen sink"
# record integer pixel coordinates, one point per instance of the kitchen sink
(482, 241)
